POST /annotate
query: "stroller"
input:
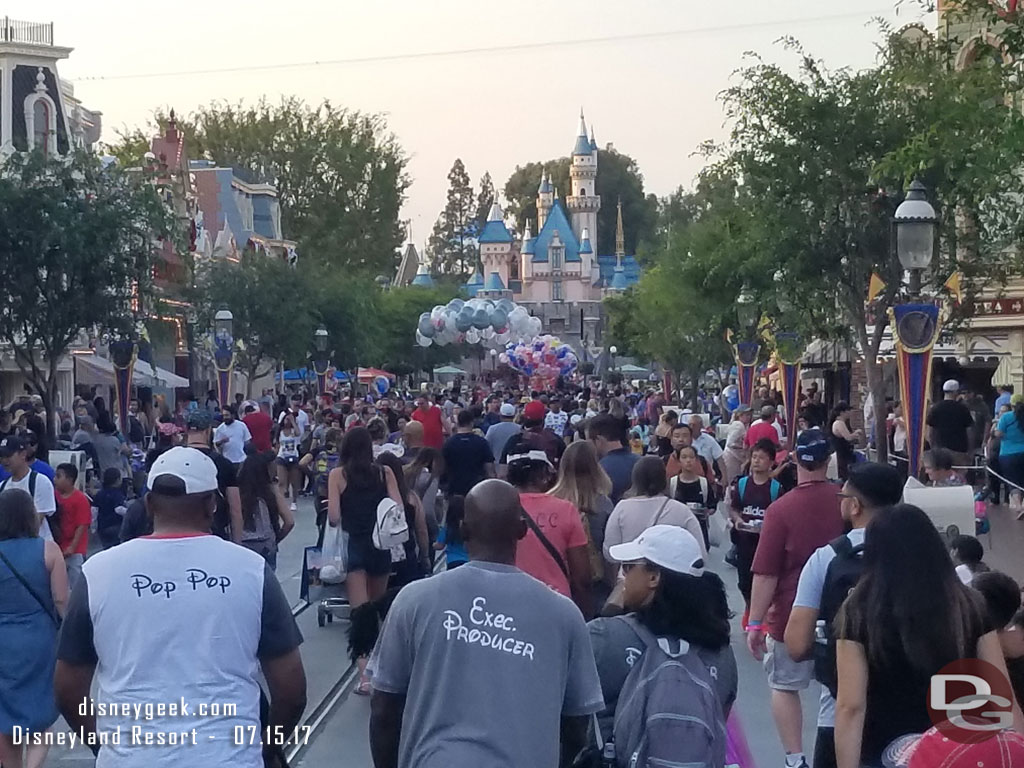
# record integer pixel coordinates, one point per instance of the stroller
(323, 578)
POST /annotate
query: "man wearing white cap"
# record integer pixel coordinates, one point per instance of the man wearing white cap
(185, 617)
(950, 423)
(498, 434)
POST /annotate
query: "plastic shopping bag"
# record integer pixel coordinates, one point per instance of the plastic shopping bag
(334, 565)
(718, 526)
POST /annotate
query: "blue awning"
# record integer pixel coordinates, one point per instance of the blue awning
(303, 374)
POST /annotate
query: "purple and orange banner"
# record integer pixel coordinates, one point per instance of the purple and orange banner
(123, 354)
(789, 350)
(746, 353)
(915, 330)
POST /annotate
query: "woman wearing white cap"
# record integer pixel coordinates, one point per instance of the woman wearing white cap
(669, 593)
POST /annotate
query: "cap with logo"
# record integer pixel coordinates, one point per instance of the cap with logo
(813, 446)
(182, 472)
(934, 749)
(534, 410)
(667, 546)
(11, 444)
(508, 410)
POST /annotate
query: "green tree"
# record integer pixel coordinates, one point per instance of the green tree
(618, 178)
(340, 174)
(273, 319)
(824, 157)
(452, 246)
(394, 346)
(484, 201)
(76, 254)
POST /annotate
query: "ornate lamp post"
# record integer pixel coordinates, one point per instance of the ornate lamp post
(613, 350)
(321, 362)
(223, 352)
(746, 351)
(124, 351)
(915, 322)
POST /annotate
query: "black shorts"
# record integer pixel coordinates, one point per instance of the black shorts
(363, 556)
(289, 462)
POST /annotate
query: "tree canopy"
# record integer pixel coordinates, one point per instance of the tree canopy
(76, 254)
(340, 174)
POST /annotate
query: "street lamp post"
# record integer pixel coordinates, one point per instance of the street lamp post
(321, 361)
(494, 359)
(613, 350)
(223, 352)
(915, 322)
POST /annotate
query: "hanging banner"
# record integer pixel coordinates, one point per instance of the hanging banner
(789, 349)
(224, 363)
(746, 353)
(321, 369)
(915, 331)
(123, 354)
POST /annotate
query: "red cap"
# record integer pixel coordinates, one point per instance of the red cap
(935, 750)
(534, 410)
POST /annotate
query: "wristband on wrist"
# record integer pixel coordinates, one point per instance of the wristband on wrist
(754, 625)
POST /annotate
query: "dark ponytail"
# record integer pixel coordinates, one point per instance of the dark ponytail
(1018, 414)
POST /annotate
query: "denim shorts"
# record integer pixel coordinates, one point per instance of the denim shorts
(363, 556)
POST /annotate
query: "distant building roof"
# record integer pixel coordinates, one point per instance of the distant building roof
(630, 270)
(583, 146)
(475, 283)
(585, 246)
(545, 183)
(619, 279)
(423, 277)
(556, 220)
(494, 282)
(494, 230)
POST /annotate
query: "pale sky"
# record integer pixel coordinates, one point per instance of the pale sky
(653, 97)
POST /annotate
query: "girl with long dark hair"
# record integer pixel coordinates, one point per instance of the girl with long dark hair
(907, 618)
(669, 592)
(1009, 435)
(423, 476)
(266, 519)
(354, 489)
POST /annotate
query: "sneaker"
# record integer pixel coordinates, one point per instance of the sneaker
(294, 507)
(801, 764)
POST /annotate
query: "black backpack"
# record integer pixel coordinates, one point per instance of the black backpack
(842, 575)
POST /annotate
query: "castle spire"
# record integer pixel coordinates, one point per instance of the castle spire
(620, 237)
(583, 125)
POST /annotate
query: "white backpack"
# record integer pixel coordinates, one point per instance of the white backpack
(391, 529)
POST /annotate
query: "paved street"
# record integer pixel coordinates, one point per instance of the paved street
(341, 739)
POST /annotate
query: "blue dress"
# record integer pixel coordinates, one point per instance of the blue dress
(28, 638)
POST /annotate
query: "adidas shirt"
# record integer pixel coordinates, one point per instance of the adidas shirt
(178, 621)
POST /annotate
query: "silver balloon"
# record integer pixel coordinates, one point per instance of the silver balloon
(472, 336)
(426, 326)
(481, 319)
(499, 317)
(464, 321)
(455, 305)
(422, 340)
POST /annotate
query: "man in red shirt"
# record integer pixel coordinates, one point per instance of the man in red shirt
(435, 426)
(763, 429)
(260, 425)
(806, 518)
(75, 513)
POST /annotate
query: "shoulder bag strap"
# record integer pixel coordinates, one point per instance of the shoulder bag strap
(546, 542)
(661, 511)
(24, 582)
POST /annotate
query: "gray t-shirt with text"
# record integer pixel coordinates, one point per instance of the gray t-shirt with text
(489, 659)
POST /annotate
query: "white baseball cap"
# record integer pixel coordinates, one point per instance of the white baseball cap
(507, 409)
(951, 385)
(182, 472)
(668, 546)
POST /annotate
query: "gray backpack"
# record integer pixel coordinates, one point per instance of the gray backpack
(668, 713)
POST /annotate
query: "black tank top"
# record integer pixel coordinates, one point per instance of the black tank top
(359, 505)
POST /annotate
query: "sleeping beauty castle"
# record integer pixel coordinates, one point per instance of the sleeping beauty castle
(556, 268)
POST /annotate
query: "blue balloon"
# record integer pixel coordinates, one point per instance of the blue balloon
(481, 319)
(464, 321)
(383, 384)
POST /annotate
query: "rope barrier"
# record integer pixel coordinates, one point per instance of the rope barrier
(988, 469)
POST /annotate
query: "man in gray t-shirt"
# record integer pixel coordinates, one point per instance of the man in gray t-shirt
(482, 665)
(498, 434)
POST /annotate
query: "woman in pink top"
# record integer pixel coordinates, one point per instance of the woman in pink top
(555, 547)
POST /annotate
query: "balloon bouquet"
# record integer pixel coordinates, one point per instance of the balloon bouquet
(477, 321)
(543, 359)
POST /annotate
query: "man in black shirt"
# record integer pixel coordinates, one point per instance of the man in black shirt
(950, 424)
(467, 457)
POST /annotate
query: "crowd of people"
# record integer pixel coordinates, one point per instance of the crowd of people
(572, 529)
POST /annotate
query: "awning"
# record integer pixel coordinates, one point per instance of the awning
(93, 369)
(449, 370)
(302, 374)
(366, 375)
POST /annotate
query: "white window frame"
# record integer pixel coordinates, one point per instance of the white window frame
(30, 121)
